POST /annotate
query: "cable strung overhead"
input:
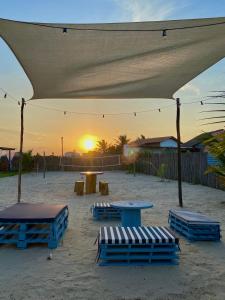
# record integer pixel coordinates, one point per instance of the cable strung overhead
(124, 60)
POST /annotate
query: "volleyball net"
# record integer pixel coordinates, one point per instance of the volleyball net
(91, 162)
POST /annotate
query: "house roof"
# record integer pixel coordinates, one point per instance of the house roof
(151, 141)
(198, 139)
(7, 148)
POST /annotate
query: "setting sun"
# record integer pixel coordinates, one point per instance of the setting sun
(88, 142)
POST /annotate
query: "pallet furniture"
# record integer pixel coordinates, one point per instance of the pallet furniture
(24, 224)
(137, 246)
(131, 211)
(103, 210)
(79, 188)
(194, 226)
(103, 188)
(91, 180)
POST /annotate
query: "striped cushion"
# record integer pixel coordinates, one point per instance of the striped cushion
(101, 204)
(136, 235)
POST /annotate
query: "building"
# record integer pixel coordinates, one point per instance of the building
(196, 144)
(155, 145)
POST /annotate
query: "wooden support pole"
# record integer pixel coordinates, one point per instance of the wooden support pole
(44, 165)
(9, 166)
(21, 149)
(62, 154)
(179, 154)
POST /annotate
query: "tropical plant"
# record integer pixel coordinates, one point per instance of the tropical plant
(28, 161)
(215, 119)
(161, 172)
(140, 138)
(121, 141)
(102, 146)
(4, 163)
(216, 147)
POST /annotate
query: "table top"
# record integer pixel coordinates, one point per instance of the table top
(91, 173)
(31, 211)
(130, 204)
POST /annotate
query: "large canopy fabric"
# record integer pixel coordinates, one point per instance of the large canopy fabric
(124, 60)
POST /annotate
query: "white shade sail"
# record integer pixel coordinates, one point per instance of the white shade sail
(124, 60)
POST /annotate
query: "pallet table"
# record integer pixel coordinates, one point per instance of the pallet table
(104, 210)
(23, 224)
(137, 246)
(131, 211)
(194, 226)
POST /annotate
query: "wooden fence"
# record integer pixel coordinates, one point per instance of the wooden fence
(194, 166)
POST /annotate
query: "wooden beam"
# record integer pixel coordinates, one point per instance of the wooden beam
(21, 149)
(179, 175)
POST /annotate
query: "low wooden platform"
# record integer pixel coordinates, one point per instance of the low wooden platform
(103, 210)
(194, 226)
(25, 223)
(137, 246)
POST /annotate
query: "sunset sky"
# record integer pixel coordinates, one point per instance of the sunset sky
(44, 128)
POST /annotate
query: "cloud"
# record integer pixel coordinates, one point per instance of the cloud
(191, 90)
(145, 10)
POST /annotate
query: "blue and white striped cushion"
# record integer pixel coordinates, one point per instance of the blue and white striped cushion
(136, 235)
(101, 204)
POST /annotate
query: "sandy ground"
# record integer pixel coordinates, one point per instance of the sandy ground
(73, 274)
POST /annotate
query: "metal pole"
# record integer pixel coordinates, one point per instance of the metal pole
(62, 154)
(179, 154)
(21, 150)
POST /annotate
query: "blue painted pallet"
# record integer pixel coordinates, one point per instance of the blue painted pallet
(194, 226)
(137, 246)
(104, 210)
(23, 230)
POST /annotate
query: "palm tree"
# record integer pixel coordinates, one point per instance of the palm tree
(102, 146)
(215, 119)
(216, 146)
(140, 138)
(121, 141)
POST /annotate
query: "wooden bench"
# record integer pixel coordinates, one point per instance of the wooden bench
(103, 188)
(79, 188)
(194, 226)
(155, 245)
(103, 210)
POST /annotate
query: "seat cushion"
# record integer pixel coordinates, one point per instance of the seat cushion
(136, 235)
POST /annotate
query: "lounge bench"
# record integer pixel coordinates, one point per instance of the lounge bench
(194, 226)
(103, 210)
(155, 245)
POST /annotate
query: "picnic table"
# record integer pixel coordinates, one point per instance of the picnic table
(131, 211)
(91, 180)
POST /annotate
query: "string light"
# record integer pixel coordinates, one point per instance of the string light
(163, 30)
(100, 114)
